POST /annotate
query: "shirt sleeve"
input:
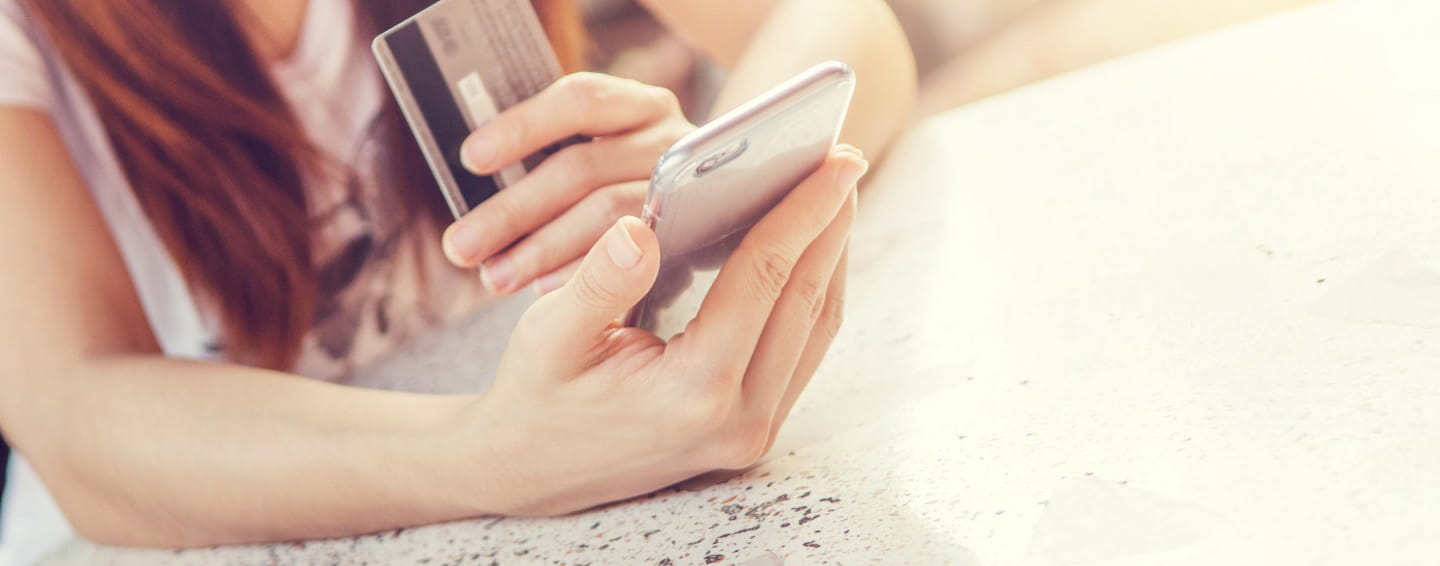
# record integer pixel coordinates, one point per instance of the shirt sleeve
(23, 78)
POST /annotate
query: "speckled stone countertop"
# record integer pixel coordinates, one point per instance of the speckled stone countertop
(1183, 308)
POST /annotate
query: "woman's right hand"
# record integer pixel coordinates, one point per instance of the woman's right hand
(586, 411)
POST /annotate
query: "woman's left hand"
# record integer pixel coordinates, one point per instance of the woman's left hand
(540, 227)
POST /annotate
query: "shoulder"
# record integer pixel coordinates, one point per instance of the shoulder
(22, 61)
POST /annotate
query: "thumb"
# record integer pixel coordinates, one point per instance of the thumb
(615, 275)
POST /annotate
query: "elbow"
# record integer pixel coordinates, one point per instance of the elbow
(81, 486)
(98, 531)
(110, 535)
(45, 418)
(110, 523)
(104, 516)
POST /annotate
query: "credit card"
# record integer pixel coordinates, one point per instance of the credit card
(454, 66)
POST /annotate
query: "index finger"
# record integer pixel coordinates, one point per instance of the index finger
(585, 104)
(735, 312)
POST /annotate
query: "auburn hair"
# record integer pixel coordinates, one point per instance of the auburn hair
(216, 157)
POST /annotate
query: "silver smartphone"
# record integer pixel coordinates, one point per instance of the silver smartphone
(713, 184)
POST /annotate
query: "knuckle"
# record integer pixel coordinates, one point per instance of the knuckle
(702, 417)
(832, 316)
(588, 91)
(582, 164)
(810, 291)
(515, 129)
(533, 257)
(532, 332)
(614, 203)
(665, 99)
(822, 217)
(502, 216)
(590, 292)
(746, 443)
(577, 83)
(663, 137)
(770, 269)
(620, 200)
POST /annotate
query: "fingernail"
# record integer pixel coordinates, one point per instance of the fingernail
(477, 152)
(850, 173)
(496, 274)
(463, 243)
(621, 247)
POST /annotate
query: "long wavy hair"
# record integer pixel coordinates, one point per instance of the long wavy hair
(216, 157)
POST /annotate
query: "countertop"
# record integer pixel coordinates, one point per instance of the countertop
(1181, 308)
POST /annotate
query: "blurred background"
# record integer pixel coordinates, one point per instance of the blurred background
(964, 50)
(629, 42)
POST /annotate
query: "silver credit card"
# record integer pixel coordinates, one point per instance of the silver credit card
(454, 66)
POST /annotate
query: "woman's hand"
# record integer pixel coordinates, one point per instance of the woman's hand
(543, 224)
(586, 412)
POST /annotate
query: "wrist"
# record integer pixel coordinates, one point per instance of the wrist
(439, 464)
(485, 459)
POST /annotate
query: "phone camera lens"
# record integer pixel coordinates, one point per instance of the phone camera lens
(724, 156)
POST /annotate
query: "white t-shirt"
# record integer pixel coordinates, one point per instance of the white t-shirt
(384, 283)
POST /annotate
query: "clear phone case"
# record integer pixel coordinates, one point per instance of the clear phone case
(713, 184)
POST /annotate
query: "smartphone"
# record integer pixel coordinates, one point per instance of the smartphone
(713, 184)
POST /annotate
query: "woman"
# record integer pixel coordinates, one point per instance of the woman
(203, 200)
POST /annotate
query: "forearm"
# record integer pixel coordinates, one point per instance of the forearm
(1064, 35)
(149, 451)
(864, 33)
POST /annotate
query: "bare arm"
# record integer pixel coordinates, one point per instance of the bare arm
(1064, 35)
(143, 450)
(763, 42)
